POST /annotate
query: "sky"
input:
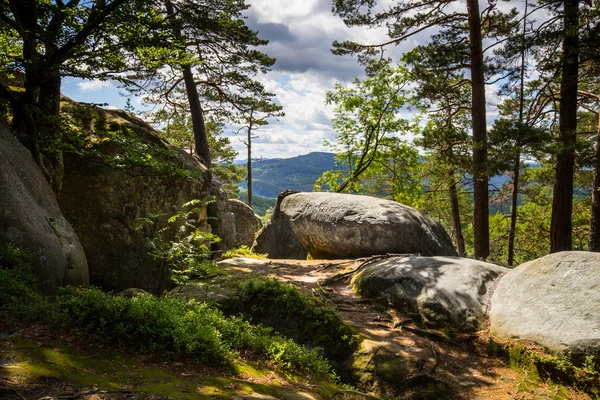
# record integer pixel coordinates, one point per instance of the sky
(300, 34)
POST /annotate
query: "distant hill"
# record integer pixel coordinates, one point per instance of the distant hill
(272, 176)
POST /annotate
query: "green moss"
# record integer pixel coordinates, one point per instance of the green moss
(537, 368)
(112, 371)
(120, 143)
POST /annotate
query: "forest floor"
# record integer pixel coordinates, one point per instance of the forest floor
(39, 363)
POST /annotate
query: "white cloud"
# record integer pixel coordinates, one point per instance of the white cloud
(93, 85)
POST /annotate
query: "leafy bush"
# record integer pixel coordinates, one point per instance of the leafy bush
(301, 317)
(172, 327)
(188, 255)
(163, 326)
(18, 298)
(243, 251)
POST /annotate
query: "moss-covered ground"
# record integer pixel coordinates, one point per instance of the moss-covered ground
(36, 367)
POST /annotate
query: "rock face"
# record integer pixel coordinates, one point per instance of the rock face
(106, 205)
(30, 217)
(247, 223)
(333, 226)
(442, 291)
(553, 301)
(222, 219)
(276, 238)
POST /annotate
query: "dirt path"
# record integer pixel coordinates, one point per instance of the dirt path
(460, 363)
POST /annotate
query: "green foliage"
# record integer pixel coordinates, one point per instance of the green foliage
(119, 146)
(373, 158)
(261, 205)
(268, 213)
(243, 251)
(179, 330)
(537, 367)
(164, 326)
(221, 52)
(187, 256)
(291, 313)
(179, 132)
(534, 216)
(18, 299)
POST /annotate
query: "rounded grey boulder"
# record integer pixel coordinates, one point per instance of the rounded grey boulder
(553, 301)
(276, 238)
(247, 223)
(30, 218)
(442, 291)
(334, 226)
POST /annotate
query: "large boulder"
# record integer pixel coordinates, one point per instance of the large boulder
(222, 219)
(442, 291)
(247, 223)
(334, 226)
(276, 238)
(553, 301)
(30, 218)
(128, 175)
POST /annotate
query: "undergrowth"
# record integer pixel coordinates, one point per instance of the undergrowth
(18, 298)
(302, 317)
(181, 330)
(537, 366)
(165, 326)
(243, 251)
(188, 254)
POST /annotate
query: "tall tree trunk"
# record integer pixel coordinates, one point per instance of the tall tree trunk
(249, 145)
(201, 147)
(480, 176)
(460, 240)
(562, 204)
(594, 238)
(49, 100)
(36, 120)
(517, 161)
(513, 211)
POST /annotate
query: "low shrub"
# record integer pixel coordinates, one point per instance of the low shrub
(181, 330)
(243, 251)
(163, 326)
(301, 317)
(18, 298)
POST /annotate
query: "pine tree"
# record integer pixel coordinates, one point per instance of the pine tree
(408, 18)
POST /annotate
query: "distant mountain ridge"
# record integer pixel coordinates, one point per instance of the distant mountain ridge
(272, 176)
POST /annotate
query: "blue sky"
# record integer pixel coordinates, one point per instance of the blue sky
(300, 33)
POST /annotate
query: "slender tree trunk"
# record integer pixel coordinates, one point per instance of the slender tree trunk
(249, 145)
(562, 204)
(201, 147)
(460, 240)
(513, 211)
(594, 238)
(517, 162)
(480, 178)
